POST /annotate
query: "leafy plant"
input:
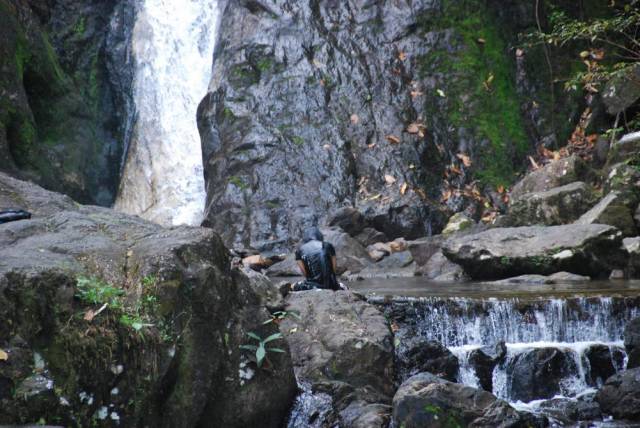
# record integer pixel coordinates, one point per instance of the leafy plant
(97, 292)
(278, 316)
(261, 348)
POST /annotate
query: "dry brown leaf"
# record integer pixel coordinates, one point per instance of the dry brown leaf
(416, 93)
(481, 41)
(413, 128)
(420, 193)
(374, 197)
(466, 160)
(455, 170)
(355, 119)
(327, 147)
(371, 146)
(501, 189)
(389, 179)
(403, 188)
(519, 52)
(89, 315)
(3, 355)
(402, 56)
(393, 139)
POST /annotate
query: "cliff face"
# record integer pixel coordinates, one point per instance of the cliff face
(63, 81)
(374, 104)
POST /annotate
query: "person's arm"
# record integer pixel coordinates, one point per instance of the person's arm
(303, 269)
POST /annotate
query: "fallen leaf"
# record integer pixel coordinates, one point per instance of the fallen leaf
(455, 170)
(355, 119)
(3, 355)
(371, 146)
(327, 147)
(416, 93)
(317, 63)
(584, 54)
(374, 197)
(389, 179)
(519, 52)
(421, 193)
(482, 41)
(403, 188)
(440, 92)
(402, 56)
(501, 189)
(89, 315)
(466, 160)
(293, 330)
(393, 139)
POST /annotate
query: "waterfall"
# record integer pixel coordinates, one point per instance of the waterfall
(578, 340)
(173, 43)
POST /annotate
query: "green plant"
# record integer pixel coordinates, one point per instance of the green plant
(261, 348)
(278, 316)
(96, 292)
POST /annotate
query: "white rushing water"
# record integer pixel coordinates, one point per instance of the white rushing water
(173, 43)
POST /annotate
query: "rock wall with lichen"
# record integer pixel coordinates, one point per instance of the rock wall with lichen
(63, 82)
(373, 104)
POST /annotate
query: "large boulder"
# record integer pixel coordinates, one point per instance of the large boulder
(343, 346)
(627, 149)
(560, 205)
(555, 174)
(632, 248)
(351, 256)
(590, 249)
(416, 354)
(603, 363)
(614, 211)
(425, 400)
(105, 309)
(528, 368)
(431, 262)
(620, 395)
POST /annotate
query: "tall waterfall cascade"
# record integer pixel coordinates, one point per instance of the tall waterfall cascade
(173, 42)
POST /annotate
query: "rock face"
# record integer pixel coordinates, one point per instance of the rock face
(560, 205)
(63, 82)
(168, 339)
(621, 92)
(416, 355)
(632, 343)
(591, 250)
(318, 105)
(555, 174)
(343, 346)
(425, 400)
(620, 395)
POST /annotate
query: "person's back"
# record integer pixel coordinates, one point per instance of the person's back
(316, 259)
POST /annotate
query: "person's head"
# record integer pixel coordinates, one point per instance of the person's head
(312, 234)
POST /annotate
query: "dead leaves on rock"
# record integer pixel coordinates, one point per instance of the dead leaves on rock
(3, 355)
(389, 179)
(393, 139)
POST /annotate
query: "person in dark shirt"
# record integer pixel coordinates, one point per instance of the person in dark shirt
(317, 262)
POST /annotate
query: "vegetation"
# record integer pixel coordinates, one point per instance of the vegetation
(261, 348)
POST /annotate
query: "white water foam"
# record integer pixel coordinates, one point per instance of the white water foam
(173, 42)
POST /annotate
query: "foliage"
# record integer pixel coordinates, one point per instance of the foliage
(96, 292)
(261, 349)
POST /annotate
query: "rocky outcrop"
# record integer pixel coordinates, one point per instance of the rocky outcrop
(555, 174)
(314, 106)
(612, 210)
(560, 205)
(426, 400)
(343, 346)
(592, 250)
(101, 310)
(622, 91)
(415, 355)
(620, 395)
(632, 343)
(63, 82)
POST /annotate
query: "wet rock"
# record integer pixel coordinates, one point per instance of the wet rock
(591, 249)
(603, 361)
(624, 179)
(555, 174)
(620, 395)
(431, 263)
(527, 369)
(613, 211)
(484, 360)
(287, 267)
(560, 205)
(196, 315)
(416, 354)
(350, 255)
(632, 247)
(377, 255)
(343, 345)
(556, 278)
(349, 220)
(632, 343)
(622, 91)
(457, 223)
(370, 236)
(569, 410)
(617, 274)
(425, 400)
(627, 149)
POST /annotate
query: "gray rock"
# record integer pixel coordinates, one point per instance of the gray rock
(603, 363)
(193, 327)
(555, 174)
(370, 236)
(425, 400)
(620, 395)
(431, 263)
(416, 354)
(611, 210)
(560, 205)
(350, 255)
(632, 343)
(348, 219)
(287, 267)
(344, 341)
(622, 91)
(457, 223)
(591, 249)
(556, 278)
(632, 248)
(569, 410)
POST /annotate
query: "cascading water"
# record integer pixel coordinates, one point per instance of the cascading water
(577, 341)
(173, 43)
